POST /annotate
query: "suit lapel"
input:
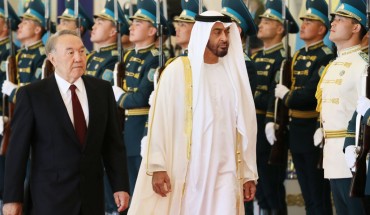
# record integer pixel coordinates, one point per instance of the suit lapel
(93, 102)
(60, 109)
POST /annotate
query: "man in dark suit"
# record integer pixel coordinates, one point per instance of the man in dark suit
(69, 124)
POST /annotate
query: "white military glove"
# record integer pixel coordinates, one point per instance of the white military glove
(8, 87)
(151, 98)
(270, 132)
(363, 104)
(281, 91)
(317, 137)
(118, 92)
(2, 124)
(144, 146)
(350, 155)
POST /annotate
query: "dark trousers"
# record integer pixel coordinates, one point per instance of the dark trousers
(345, 205)
(270, 187)
(315, 189)
(133, 166)
(248, 206)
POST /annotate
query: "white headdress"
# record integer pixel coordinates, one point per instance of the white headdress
(233, 62)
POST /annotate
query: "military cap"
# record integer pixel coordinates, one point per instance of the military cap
(355, 9)
(274, 11)
(14, 18)
(147, 10)
(239, 13)
(126, 10)
(190, 8)
(69, 14)
(35, 11)
(317, 10)
(108, 14)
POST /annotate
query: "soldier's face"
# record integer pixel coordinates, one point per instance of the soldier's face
(311, 30)
(102, 31)
(65, 24)
(27, 29)
(342, 29)
(142, 32)
(69, 57)
(268, 29)
(218, 42)
(183, 31)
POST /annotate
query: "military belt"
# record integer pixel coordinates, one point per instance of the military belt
(335, 133)
(137, 112)
(303, 114)
(260, 112)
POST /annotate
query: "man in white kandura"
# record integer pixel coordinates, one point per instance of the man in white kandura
(201, 152)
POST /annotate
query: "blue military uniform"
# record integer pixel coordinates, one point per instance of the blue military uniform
(270, 188)
(69, 14)
(30, 58)
(5, 45)
(140, 66)
(100, 63)
(307, 63)
(239, 13)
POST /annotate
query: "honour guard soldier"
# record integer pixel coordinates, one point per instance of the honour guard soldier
(270, 188)
(184, 24)
(307, 63)
(129, 9)
(337, 93)
(32, 54)
(140, 65)
(101, 62)
(67, 21)
(5, 45)
(239, 13)
(350, 148)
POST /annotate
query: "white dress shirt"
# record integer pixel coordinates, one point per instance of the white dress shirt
(63, 86)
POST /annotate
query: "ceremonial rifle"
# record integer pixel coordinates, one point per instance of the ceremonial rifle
(11, 74)
(168, 41)
(119, 67)
(362, 139)
(47, 67)
(160, 69)
(281, 114)
(78, 19)
(322, 143)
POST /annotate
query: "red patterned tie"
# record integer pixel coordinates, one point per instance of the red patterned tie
(78, 116)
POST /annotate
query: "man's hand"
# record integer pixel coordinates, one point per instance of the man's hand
(118, 92)
(121, 198)
(249, 190)
(281, 91)
(12, 208)
(8, 87)
(161, 183)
